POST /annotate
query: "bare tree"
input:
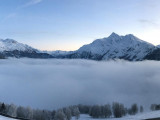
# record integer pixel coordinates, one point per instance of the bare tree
(12, 110)
(68, 113)
(76, 112)
(59, 115)
(134, 109)
(118, 110)
(141, 108)
(107, 111)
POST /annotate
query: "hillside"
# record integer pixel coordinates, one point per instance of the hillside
(140, 116)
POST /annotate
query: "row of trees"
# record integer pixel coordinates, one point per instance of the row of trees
(117, 110)
(32, 114)
(155, 107)
(96, 111)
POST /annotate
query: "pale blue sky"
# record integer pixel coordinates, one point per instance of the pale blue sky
(68, 24)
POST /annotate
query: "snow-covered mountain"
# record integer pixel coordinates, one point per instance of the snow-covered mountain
(11, 45)
(58, 53)
(12, 48)
(126, 47)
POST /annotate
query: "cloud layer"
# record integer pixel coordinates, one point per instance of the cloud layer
(50, 84)
(31, 2)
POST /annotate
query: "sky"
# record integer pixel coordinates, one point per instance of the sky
(69, 24)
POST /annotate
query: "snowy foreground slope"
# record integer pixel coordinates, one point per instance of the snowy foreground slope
(141, 116)
(147, 115)
(6, 118)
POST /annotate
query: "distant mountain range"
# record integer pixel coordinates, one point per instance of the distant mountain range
(126, 47)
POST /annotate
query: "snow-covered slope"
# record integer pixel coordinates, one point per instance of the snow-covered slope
(126, 47)
(12, 48)
(158, 46)
(6, 118)
(11, 45)
(140, 116)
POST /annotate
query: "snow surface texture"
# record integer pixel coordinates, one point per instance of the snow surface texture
(115, 46)
(11, 45)
(6, 118)
(140, 116)
(146, 115)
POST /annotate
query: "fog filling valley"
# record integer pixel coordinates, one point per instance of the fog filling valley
(54, 83)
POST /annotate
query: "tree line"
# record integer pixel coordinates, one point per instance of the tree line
(154, 107)
(116, 110)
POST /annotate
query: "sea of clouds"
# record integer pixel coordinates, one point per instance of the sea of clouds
(55, 83)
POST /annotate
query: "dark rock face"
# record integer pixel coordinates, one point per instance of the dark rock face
(2, 56)
(155, 55)
(84, 55)
(19, 54)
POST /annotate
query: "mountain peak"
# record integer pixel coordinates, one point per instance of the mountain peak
(130, 35)
(114, 35)
(9, 40)
(12, 45)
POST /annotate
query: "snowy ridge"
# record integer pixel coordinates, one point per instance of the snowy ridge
(158, 46)
(11, 45)
(126, 47)
(12, 48)
(58, 52)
